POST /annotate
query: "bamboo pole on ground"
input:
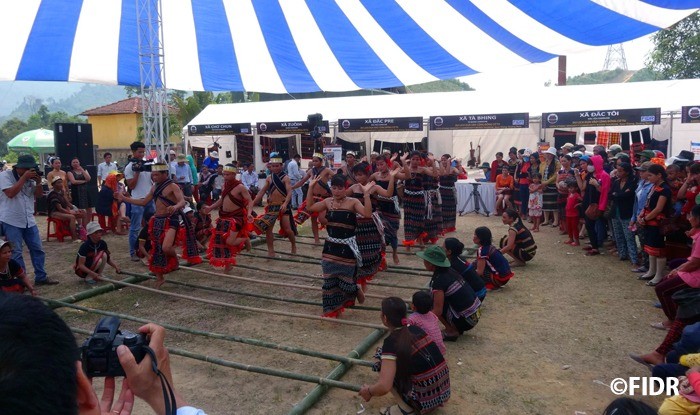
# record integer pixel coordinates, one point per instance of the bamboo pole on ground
(255, 281)
(84, 295)
(311, 243)
(312, 397)
(219, 336)
(254, 369)
(246, 308)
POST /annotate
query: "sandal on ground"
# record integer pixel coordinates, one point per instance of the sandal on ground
(638, 358)
(651, 283)
(389, 410)
(592, 252)
(643, 278)
(640, 269)
(659, 326)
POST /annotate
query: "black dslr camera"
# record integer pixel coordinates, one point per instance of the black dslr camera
(141, 165)
(99, 351)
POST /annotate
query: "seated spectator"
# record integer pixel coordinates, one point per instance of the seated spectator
(203, 225)
(454, 248)
(486, 168)
(13, 279)
(519, 243)
(504, 191)
(491, 265)
(204, 188)
(454, 301)
(93, 255)
(423, 317)
(60, 208)
(108, 206)
(46, 359)
(410, 365)
(628, 406)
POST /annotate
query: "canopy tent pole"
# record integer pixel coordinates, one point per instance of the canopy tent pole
(670, 137)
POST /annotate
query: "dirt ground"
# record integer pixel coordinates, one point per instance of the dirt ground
(544, 344)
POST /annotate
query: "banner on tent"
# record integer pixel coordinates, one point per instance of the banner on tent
(334, 155)
(695, 148)
(220, 129)
(690, 114)
(290, 127)
(480, 121)
(599, 118)
(366, 125)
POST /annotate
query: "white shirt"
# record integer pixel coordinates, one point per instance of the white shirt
(103, 169)
(143, 185)
(293, 170)
(249, 179)
(19, 210)
(189, 410)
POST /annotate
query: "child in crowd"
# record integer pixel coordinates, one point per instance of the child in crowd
(423, 317)
(93, 255)
(498, 273)
(144, 240)
(573, 202)
(12, 275)
(535, 201)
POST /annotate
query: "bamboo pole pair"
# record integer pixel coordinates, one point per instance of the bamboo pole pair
(245, 308)
(84, 295)
(219, 336)
(254, 369)
(256, 281)
(392, 269)
(312, 277)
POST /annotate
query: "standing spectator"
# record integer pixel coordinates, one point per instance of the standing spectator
(81, 196)
(55, 163)
(550, 195)
(183, 175)
(294, 173)
(217, 181)
(195, 179)
(622, 192)
(640, 200)
(20, 188)
(249, 178)
(565, 175)
(212, 162)
(204, 188)
(139, 183)
(523, 179)
(657, 208)
(104, 168)
(496, 166)
(595, 201)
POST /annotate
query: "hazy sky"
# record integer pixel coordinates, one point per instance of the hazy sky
(536, 75)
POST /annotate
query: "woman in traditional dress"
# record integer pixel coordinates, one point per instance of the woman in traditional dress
(448, 178)
(431, 184)
(322, 191)
(79, 180)
(388, 206)
(370, 229)
(491, 265)
(565, 174)
(416, 210)
(341, 255)
(550, 194)
(518, 243)
(657, 208)
(411, 366)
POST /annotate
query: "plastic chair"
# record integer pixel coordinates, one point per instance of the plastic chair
(61, 230)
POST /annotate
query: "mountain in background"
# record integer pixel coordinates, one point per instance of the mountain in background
(613, 76)
(71, 98)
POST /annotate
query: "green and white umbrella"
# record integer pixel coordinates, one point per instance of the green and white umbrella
(40, 140)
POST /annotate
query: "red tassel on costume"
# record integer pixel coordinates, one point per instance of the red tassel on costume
(382, 265)
(172, 263)
(408, 243)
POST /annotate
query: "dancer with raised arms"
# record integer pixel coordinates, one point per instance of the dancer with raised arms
(322, 191)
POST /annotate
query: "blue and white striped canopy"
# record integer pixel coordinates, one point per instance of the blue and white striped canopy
(311, 45)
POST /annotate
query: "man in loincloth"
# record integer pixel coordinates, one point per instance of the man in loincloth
(235, 218)
(279, 192)
(320, 192)
(164, 224)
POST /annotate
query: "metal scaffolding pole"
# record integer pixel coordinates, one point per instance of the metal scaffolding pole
(154, 95)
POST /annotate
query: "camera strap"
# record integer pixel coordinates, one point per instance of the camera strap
(168, 395)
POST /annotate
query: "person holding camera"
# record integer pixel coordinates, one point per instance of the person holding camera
(20, 188)
(139, 183)
(45, 359)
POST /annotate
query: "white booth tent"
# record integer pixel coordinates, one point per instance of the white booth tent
(670, 96)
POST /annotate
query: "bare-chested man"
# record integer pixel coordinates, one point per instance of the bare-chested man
(278, 189)
(164, 224)
(320, 192)
(235, 216)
